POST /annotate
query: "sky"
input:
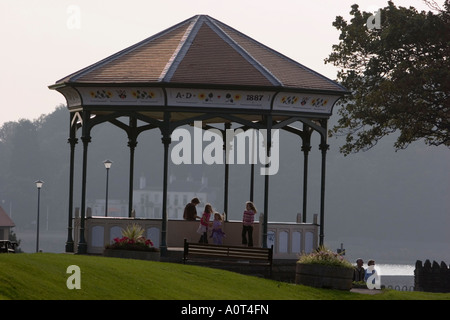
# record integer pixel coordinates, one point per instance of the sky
(43, 41)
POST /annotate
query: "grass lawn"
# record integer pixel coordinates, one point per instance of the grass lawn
(43, 276)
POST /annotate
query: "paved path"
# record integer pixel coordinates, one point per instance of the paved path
(365, 291)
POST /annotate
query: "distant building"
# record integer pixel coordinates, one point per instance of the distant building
(148, 200)
(116, 208)
(6, 224)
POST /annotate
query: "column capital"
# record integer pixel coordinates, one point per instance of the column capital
(132, 143)
(324, 147)
(166, 140)
(306, 147)
(72, 141)
(86, 139)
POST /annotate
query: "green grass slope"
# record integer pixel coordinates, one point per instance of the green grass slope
(43, 276)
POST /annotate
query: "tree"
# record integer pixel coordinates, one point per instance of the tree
(398, 76)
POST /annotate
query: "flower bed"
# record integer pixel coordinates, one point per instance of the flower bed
(327, 257)
(132, 245)
(324, 269)
(125, 243)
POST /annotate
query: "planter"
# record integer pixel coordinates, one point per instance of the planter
(130, 254)
(323, 276)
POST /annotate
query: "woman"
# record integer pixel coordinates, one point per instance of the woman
(247, 223)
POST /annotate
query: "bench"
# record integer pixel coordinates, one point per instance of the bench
(231, 254)
(7, 246)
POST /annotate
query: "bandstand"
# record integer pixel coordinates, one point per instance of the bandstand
(198, 70)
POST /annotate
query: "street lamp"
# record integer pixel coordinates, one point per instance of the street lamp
(39, 184)
(107, 164)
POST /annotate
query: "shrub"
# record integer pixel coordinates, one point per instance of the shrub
(325, 256)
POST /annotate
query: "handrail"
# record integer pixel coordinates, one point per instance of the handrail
(289, 239)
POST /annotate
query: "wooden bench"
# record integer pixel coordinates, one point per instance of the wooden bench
(231, 254)
(7, 246)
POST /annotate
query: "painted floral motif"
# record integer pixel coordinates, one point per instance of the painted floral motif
(289, 100)
(122, 94)
(232, 98)
(319, 102)
(210, 97)
(101, 94)
(141, 94)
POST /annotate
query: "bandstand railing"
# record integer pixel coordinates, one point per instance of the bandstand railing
(289, 239)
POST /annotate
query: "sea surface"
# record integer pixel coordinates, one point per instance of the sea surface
(396, 276)
(395, 269)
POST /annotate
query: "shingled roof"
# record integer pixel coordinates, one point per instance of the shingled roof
(202, 51)
(5, 220)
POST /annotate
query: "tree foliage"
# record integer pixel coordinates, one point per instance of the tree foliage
(398, 76)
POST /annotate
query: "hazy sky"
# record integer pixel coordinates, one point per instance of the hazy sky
(43, 41)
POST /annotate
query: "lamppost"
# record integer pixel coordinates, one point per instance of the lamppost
(107, 164)
(39, 184)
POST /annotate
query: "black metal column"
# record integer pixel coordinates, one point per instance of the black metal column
(266, 181)
(166, 140)
(72, 141)
(82, 245)
(306, 148)
(252, 181)
(323, 147)
(252, 165)
(226, 147)
(132, 143)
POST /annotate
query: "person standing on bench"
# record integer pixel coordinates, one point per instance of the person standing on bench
(204, 224)
(247, 223)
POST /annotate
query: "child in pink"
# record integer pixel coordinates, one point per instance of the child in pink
(247, 223)
(204, 224)
(217, 232)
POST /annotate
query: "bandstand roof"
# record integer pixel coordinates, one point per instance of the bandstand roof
(201, 64)
(5, 220)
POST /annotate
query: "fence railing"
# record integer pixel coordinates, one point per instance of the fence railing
(431, 277)
(289, 239)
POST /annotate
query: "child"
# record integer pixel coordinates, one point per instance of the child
(217, 232)
(204, 224)
(247, 223)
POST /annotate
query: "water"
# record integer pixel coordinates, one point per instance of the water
(396, 276)
(395, 269)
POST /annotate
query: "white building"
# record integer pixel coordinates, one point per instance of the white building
(147, 200)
